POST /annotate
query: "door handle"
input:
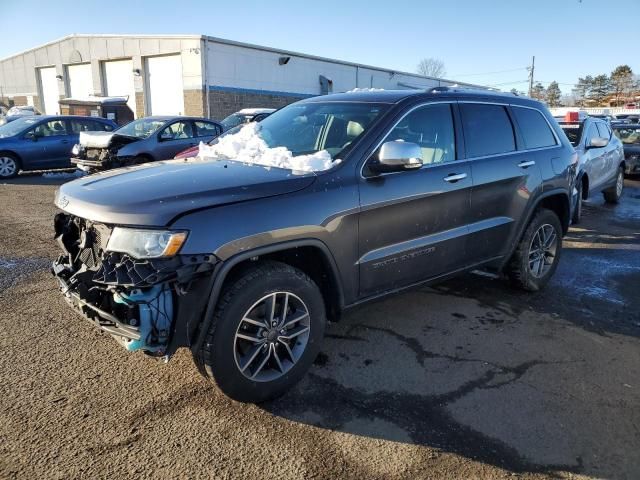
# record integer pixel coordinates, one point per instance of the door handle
(454, 177)
(526, 164)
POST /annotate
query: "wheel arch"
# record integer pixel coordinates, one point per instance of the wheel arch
(584, 180)
(296, 253)
(13, 154)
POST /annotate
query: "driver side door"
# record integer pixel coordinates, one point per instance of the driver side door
(413, 223)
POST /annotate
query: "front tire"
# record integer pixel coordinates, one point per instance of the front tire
(266, 332)
(613, 194)
(9, 166)
(538, 253)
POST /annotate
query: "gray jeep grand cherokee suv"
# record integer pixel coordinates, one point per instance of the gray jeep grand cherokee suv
(243, 260)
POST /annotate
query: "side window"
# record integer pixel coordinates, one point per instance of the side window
(431, 127)
(177, 131)
(604, 130)
(206, 129)
(51, 128)
(487, 129)
(534, 128)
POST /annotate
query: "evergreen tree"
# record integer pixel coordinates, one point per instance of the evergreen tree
(622, 81)
(553, 94)
(599, 89)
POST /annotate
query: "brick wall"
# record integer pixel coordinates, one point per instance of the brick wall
(20, 100)
(194, 103)
(224, 103)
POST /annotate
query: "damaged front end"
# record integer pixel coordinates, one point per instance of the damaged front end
(153, 305)
(97, 151)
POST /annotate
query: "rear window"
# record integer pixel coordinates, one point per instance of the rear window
(535, 129)
(573, 131)
(487, 129)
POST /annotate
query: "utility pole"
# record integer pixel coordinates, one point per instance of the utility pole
(531, 68)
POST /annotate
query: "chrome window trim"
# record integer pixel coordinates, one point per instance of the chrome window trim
(467, 159)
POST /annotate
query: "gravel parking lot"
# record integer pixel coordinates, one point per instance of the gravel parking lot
(470, 379)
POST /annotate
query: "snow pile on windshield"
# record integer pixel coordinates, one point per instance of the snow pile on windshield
(248, 146)
(353, 90)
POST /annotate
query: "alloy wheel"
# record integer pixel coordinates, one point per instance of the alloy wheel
(542, 250)
(8, 166)
(272, 336)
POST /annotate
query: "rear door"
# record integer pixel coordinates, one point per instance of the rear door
(206, 131)
(506, 174)
(413, 224)
(174, 138)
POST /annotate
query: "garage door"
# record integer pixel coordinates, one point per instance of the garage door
(118, 76)
(80, 80)
(164, 83)
(49, 90)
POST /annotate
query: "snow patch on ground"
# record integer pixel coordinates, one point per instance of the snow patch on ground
(74, 174)
(366, 90)
(248, 146)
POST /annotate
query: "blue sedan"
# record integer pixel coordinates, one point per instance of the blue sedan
(43, 142)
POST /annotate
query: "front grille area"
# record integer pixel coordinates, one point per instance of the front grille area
(84, 241)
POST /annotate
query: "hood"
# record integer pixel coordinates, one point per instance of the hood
(104, 139)
(153, 194)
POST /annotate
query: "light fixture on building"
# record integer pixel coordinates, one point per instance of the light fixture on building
(136, 72)
(283, 60)
(59, 77)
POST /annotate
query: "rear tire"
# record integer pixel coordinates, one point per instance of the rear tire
(614, 193)
(538, 253)
(254, 351)
(9, 166)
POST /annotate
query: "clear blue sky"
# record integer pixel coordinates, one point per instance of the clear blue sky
(569, 38)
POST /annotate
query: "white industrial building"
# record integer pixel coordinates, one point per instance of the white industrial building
(183, 74)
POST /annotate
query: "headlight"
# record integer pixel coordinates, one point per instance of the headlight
(146, 243)
(76, 149)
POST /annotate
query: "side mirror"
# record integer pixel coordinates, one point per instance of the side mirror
(598, 142)
(398, 155)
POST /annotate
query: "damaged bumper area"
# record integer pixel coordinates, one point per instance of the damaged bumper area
(98, 151)
(151, 305)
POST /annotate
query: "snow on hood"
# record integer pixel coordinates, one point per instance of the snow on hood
(95, 139)
(248, 146)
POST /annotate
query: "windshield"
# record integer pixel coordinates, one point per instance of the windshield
(304, 136)
(234, 120)
(628, 135)
(573, 132)
(142, 128)
(17, 126)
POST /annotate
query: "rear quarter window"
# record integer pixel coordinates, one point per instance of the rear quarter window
(535, 130)
(487, 129)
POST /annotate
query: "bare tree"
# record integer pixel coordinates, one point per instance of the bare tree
(431, 67)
